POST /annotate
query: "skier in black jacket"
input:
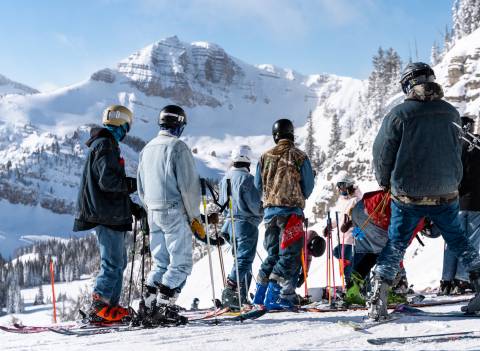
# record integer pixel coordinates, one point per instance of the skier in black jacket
(103, 203)
(454, 276)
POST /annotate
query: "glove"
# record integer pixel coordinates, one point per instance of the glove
(347, 224)
(131, 184)
(137, 211)
(197, 229)
(358, 234)
(213, 218)
(219, 240)
(327, 232)
(385, 188)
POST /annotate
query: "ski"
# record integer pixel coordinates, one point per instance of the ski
(443, 337)
(367, 324)
(412, 311)
(94, 331)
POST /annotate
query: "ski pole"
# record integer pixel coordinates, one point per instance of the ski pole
(333, 270)
(304, 258)
(204, 199)
(133, 261)
(230, 207)
(52, 279)
(144, 230)
(220, 257)
(340, 261)
(329, 226)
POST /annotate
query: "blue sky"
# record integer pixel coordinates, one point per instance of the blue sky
(53, 43)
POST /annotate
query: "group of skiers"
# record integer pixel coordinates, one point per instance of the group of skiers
(417, 158)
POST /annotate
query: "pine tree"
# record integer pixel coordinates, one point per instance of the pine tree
(335, 143)
(39, 296)
(310, 140)
(435, 54)
(466, 17)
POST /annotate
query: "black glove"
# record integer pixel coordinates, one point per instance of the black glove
(347, 224)
(219, 240)
(212, 218)
(131, 184)
(137, 211)
(327, 231)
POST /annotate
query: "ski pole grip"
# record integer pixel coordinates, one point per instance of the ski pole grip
(203, 186)
(229, 188)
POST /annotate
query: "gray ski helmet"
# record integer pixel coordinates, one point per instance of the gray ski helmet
(416, 73)
(283, 129)
(172, 116)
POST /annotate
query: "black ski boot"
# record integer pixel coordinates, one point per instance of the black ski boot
(445, 287)
(165, 312)
(377, 304)
(474, 304)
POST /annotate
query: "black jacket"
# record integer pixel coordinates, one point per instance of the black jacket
(103, 197)
(469, 189)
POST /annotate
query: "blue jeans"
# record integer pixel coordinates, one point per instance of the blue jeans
(246, 238)
(280, 265)
(404, 220)
(171, 248)
(113, 256)
(452, 268)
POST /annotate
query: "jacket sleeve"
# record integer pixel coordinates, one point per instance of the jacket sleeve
(109, 173)
(188, 181)
(140, 190)
(307, 181)
(385, 148)
(223, 198)
(258, 178)
(251, 196)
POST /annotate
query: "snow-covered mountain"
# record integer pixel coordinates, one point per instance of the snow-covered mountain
(8, 86)
(459, 74)
(227, 101)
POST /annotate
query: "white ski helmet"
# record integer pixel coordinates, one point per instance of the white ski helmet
(242, 153)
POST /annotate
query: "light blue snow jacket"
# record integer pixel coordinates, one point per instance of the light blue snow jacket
(167, 177)
(246, 199)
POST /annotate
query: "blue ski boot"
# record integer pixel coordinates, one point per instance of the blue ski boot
(273, 301)
(259, 297)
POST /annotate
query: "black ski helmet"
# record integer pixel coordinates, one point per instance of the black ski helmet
(468, 123)
(283, 129)
(416, 73)
(316, 244)
(172, 116)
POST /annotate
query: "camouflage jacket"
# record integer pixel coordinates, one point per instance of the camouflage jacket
(281, 177)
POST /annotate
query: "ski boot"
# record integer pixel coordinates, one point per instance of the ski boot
(261, 290)
(353, 295)
(445, 287)
(377, 304)
(102, 312)
(273, 301)
(230, 296)
(460, 287)
(474, 303)
(160, 308)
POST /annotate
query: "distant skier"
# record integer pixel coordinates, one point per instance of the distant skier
(454, 276)
(417, 154)
(103, 203)
(169, 188)
(284, 176)
(247, 213)
(349, 196)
